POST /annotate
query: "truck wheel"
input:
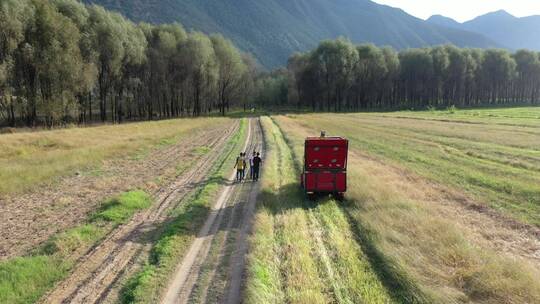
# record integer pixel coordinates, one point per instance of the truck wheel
(340, 197)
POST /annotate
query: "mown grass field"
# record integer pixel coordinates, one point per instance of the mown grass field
(303, 252)
(493, 155)
(398, 237)
(28, 159)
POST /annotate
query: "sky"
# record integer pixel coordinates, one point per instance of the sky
(464, 10)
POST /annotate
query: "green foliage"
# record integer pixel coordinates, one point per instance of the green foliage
(336, 76)
(121, 208)
(73, 239)
(25, 279)
(67, 62)
(232, 68)
(131, 290)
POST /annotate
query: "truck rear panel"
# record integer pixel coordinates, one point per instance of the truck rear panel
(324, 181)
(325, 165)
(326, 153)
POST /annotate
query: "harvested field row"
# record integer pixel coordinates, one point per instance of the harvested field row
(149, 283)
(426, 239)
(304, 252)
(498, 165)
(33, 159)
(171, 164)
(29, 219)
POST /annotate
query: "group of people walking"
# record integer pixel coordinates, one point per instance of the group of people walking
(254, 162)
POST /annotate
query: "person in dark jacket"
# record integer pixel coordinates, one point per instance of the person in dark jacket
(257, 161)
(251, 165)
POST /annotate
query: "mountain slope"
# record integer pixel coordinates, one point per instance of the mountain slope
(512, 31)
(274, 29)
(444, 21)
(500, 26)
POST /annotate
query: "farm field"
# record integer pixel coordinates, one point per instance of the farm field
(493, 156)
(107, 179)
(28, 159)
(74, 170)
(440, 209)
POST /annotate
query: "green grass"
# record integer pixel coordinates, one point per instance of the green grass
(26, 279)
(418, 248)
(303, 252)
(117, 210)
(175, 238)
(495, 159)
(73, 239)
(520, 116)
(201, 150)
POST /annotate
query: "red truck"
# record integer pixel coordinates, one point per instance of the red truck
(325, 165)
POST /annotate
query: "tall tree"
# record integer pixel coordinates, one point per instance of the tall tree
(528, 75)
(79, 15)
(498, 70)
(416, 74)
(54, 61)
(334, 62)
(14, 17)
(369, 73)
(231, 69)
(110, 42)
(201, 66)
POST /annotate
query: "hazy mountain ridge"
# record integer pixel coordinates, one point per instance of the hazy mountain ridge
(499, 26)
(444, 21)
(274, 29)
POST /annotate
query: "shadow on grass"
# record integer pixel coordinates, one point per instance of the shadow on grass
(397, 282)
(400, 287)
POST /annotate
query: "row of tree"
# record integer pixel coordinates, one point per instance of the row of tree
(62, 61)
(340, 76)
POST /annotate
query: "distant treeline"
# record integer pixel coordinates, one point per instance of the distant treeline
(62, 61)
(340, 76)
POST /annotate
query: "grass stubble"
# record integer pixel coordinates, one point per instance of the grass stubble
(33, 157)
(303, 252)
(419, 254)
(29, 159)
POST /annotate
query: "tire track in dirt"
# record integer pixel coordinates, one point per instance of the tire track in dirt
(209, 279)
(97, 271)
(241, 200)
(29, 219)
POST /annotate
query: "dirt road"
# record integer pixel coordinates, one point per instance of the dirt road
(97, 271)
(213, 269)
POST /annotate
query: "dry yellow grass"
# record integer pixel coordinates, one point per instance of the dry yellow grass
(301, 252)
(413, 231)
(495, 162)
(37, 158)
